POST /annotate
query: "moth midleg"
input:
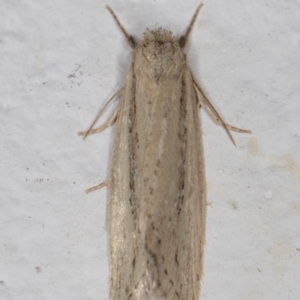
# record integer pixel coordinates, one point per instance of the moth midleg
(183, 39)
(86, 133)
(97, 187)
(129, 38)
(214, 114)
(109, 123)
(218, 122)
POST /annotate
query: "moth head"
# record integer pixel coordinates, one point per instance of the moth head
(159, 43)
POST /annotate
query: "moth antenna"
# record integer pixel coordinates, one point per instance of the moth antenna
(183, 39)
(128, 37)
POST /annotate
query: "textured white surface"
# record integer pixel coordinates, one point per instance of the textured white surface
(61, 60)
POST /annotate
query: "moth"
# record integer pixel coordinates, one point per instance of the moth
(156, 206)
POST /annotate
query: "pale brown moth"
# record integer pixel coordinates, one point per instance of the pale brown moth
(156, 205)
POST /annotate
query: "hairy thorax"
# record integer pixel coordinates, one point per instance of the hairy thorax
(159, 56)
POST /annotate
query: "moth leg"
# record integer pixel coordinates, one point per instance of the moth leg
(217, 120)
(183, 39)
(128, 37)
(214, 114)
(97, 187)
(86, 133)
(110, 122)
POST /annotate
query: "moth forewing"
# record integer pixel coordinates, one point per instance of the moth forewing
(156, 206)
